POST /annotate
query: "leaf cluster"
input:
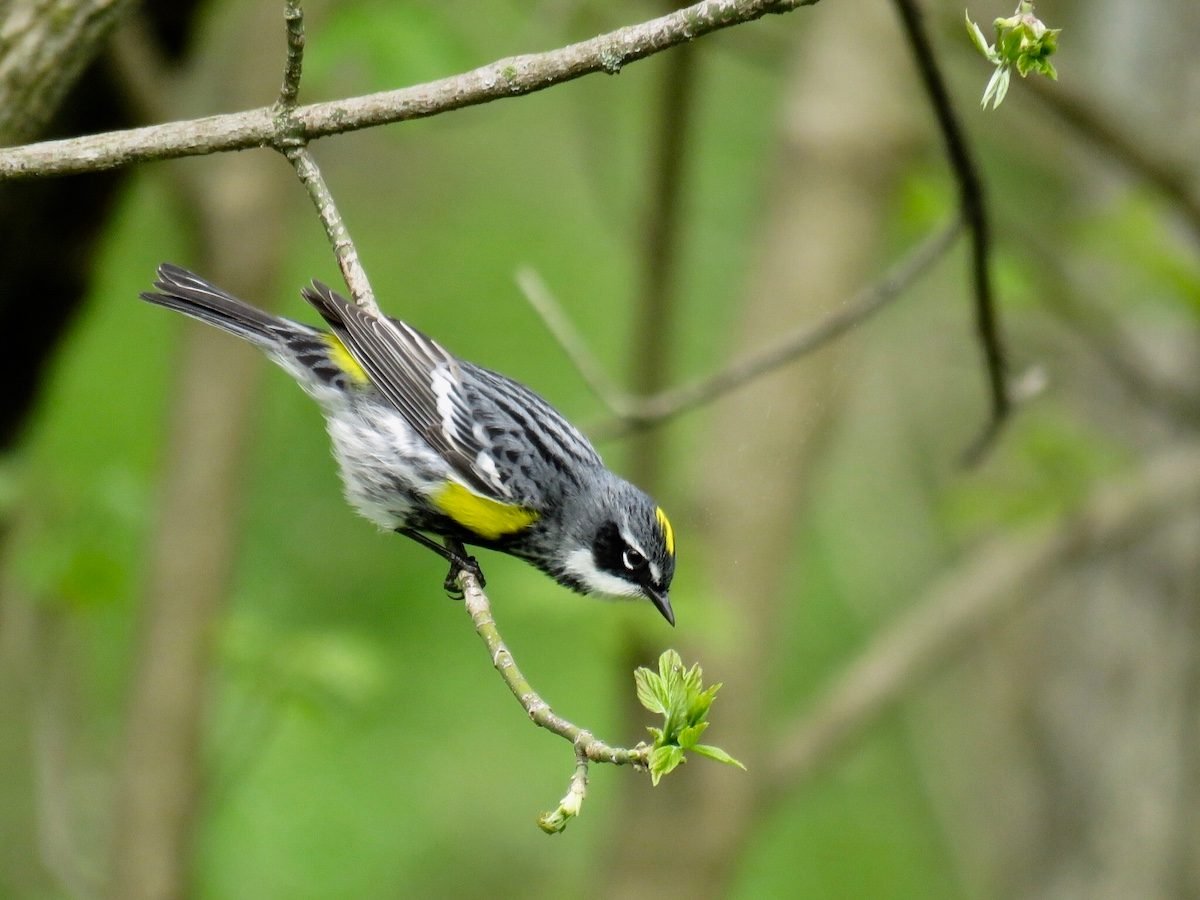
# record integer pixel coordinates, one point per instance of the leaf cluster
(680, 697)
(1022, 41)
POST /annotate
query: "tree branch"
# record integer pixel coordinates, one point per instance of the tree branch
(573, 344)
(295, 148)
(512, 77)
(293, 16)
(631, 413)
(588, 748)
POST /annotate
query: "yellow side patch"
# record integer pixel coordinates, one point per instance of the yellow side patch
(340, 357)
(490, 519)
(668, 531)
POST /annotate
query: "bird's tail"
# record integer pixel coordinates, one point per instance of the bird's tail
(191, 295)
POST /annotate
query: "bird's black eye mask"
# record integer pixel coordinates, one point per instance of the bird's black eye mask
(615, 556)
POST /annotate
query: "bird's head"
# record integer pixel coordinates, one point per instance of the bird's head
(621, 545)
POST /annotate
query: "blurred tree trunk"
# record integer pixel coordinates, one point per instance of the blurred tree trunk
(46, 45)
(54, 82)
(827, 193)
(49, 226)
(237, 207)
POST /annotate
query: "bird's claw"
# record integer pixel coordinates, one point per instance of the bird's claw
(453, 584)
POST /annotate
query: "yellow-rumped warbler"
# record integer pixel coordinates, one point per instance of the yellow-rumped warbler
(431, 444)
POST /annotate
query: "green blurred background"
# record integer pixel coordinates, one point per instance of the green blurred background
(354, 741)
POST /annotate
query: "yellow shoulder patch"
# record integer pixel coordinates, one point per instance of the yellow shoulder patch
(490, 519)
(340, 357)
(668, 531)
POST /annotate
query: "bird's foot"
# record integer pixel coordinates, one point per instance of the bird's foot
(456, 554)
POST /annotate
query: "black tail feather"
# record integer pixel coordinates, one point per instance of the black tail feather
(191, 295)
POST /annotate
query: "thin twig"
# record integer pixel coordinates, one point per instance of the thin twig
(631, 413)
(588, 748)
(974, 212)
(534, 288)
(512, 77)
(998, 579)
(480, 610)
(335, 227)
(293, 15)
(293, 144)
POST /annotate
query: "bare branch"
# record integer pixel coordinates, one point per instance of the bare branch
(588, 748)
(974, 212)
(335, 228)
(993, 583)
(480, 610)
(293, 144)
(572, 342)
(293, 15)
(642, 412)
(512, 77)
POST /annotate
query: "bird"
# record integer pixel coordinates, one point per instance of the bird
(433, 446)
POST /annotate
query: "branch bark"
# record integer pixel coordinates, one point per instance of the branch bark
(588, 748)
(512, 77)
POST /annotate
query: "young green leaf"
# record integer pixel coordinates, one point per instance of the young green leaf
(663, 760)
(718, 754)
(1022, 42)
(679, 696)
(649, 693)
(699, 705)
(688, 736)
(979, 40)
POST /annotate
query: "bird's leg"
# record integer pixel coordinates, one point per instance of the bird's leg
(455, 553)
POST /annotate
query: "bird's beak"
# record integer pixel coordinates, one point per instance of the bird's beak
(662, 603)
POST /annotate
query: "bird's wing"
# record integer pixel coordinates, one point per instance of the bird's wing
(422, 380)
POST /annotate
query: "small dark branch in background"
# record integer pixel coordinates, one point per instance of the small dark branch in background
(974, 211)
(632, 413)
(512, 77)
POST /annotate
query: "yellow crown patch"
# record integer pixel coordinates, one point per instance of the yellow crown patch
(667, 530)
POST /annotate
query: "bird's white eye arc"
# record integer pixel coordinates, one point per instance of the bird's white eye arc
(633, 560)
